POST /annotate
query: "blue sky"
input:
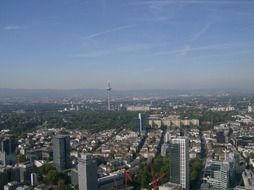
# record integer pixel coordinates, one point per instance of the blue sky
(136, 44)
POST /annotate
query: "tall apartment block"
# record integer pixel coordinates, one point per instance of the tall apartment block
(8, 148)
(61, 152)
(179, 161)
(87, 172)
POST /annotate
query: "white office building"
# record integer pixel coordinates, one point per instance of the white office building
(183, 143)
(87, 172)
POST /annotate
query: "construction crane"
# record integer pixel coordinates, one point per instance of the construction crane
(127, 178)
(155, 182)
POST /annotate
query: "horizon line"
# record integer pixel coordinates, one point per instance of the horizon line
(118, 89)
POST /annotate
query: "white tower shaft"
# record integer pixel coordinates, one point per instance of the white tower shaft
(108, 100)
(108, 90)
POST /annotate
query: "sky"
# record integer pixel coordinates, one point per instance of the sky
(134, 44)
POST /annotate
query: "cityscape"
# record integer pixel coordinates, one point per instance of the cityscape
(127, 95)
(179, 142)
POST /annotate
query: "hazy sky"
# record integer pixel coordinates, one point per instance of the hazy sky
(133, 43)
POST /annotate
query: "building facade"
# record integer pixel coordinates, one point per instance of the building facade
(61, 152)
(8, 148)
(217, 175)
(179, 157)
(87, 172)
(25, 172)
(174, 156)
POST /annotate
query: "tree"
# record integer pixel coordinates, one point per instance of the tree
(195, 169)
(61, 184)
(160, 166)
(52, 176)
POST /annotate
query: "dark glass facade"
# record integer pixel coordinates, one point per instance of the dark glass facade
(8, 148)
(174, 156)
(61, 152)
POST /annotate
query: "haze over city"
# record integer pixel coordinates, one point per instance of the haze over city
(168, 44)
(126, 95)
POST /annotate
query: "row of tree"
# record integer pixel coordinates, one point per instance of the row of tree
(160, 168)
(49, 175)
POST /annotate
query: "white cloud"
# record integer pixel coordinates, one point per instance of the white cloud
(11, 27)
(107, 31)
(200, 33)
(127, 48)
(187, 48)
(93, 54)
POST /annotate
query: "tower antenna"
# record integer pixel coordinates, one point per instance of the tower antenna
(108, 90)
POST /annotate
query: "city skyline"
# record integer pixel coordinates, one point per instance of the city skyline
(168, 44)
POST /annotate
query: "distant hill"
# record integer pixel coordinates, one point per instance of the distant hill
(5, 92)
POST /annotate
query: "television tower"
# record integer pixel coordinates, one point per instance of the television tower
(108, 90)
(140, 123)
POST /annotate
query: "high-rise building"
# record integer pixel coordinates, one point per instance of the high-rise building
(179, 161)
(174, 156)
(7, 174)
(61, 152)
(220, 137)
(250, 109)
(217, 175)
(8, 148)
(224, 135)
(167, 137)
(164, 149)
(11, 185)
(87, 172)
(34, 179)
(74, 176)
(25, 172)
